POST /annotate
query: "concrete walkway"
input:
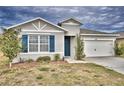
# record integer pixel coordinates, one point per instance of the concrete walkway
(75, 61)
(114, 63)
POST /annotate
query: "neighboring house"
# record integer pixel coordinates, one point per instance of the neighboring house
(43, 38)
(120, 39)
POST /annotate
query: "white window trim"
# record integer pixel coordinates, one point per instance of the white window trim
(39, 44)
(28, 43)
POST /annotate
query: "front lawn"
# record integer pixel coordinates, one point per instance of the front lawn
(36, 73)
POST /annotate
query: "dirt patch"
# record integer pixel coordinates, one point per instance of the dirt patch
(25, 64)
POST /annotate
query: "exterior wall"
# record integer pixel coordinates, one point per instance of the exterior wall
(28, 29)
(73, 46)
(59, 49)
(72, 29)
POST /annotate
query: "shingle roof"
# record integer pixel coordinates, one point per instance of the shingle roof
(87, 31)
(121, 34)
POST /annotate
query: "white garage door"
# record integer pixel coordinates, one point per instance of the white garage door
(94, 48)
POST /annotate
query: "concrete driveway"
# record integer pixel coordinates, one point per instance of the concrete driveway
(115, 63)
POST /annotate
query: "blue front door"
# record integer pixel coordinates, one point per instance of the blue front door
(67, 46)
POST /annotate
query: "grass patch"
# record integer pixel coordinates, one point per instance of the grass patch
(43, 69)
(39, 77)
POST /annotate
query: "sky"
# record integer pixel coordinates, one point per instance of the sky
(106, 19)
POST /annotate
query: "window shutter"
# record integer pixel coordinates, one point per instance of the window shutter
(24, 43)
(52, 43)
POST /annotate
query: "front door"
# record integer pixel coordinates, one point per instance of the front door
(67, 46)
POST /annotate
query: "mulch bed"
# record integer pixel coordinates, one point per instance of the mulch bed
(32, 64)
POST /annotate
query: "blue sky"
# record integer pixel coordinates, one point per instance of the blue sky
(107, 19)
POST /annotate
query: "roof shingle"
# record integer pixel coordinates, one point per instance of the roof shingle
(87, 31)
(121, 33)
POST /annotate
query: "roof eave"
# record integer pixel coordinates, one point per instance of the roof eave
(116, 35)
(71, 18)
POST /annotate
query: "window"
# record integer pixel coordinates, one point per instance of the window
(33, 43)
(43, 43)
(38, 43)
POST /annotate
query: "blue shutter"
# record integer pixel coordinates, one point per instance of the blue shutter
(52, 43)
(24, 43)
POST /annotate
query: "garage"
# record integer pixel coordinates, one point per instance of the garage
(98, 48)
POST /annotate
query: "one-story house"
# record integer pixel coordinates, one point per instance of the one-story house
(43, 38)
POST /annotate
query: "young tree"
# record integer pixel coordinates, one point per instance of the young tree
(79, 48)
(10, 44)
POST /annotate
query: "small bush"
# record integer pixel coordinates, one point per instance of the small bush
(44, 69)
(44, 59)
(57, 57)
(30, 60)
(79, 49)
(119, 50)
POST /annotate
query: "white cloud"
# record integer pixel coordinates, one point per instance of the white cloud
(23, 17)
(105, 14)
(90, 13)
(121, 24)
(73, 11)
(58, 9)
(103, 8)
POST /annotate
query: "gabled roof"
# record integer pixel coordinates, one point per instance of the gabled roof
(34, 20)
(71, 19)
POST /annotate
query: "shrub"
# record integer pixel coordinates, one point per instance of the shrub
(29, 60)
(57, 57)
(44, 59)
(119, 50)
(79, 48)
